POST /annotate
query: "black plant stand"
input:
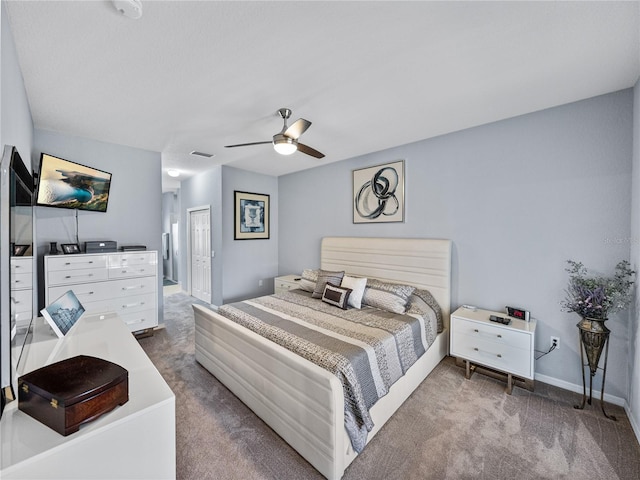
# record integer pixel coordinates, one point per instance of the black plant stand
(592, 342)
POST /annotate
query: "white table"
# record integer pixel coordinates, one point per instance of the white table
(135, 440)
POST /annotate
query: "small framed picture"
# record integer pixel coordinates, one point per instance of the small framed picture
(63, 313)
(70, 247)
(251, 216)
(20, 250)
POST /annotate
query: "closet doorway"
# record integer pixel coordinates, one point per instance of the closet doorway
(199, 252)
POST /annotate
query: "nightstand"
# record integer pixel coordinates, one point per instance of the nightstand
(285, 283)
(493, 348)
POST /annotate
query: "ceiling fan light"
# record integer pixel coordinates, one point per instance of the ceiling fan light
(285, 145)
(172, 172)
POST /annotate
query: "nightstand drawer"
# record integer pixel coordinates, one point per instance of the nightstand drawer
(493, 354)
(286, 283)
(492, 333)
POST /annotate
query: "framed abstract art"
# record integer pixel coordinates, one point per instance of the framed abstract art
(378, 193)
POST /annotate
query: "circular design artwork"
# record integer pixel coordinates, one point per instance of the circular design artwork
(378, 196)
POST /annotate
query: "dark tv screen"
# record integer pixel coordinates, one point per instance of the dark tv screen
(66, 184)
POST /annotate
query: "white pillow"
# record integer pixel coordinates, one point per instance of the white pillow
(357, 285)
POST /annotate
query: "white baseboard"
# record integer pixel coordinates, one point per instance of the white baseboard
(596, 394)
(578, 389)
(632, 420)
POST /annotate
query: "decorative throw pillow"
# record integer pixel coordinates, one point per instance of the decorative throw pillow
(308, 280)
(336, 296)
(324, 277)
(357, 285)
(392, 297)
(421, 302)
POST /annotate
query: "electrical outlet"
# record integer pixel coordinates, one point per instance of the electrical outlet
(555, 341)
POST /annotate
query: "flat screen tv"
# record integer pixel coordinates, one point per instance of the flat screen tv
(66, 184)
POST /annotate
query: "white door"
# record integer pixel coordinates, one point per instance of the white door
(200, 253)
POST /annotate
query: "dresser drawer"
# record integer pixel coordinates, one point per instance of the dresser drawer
(128, 259)
(493, 333)
(132, 271)
(69, 277)
(86, 292)
(121, 305)
(70, 262)
(493, 354)
(132, 286)
(21, 265)
(21, 281)
(21, 301)
(140, 320)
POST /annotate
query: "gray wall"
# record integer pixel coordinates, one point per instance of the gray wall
(517, 198)
(634, 327)
(204, 189)
(16, 125)
(249, 265)
(133, 215)
(239, 265)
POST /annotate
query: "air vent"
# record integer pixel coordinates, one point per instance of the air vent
(201, 154)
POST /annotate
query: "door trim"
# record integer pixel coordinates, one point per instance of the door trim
(206, 208)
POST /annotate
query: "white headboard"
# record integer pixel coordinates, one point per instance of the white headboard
(423, 262)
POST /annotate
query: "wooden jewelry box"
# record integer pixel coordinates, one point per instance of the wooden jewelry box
(69, 393)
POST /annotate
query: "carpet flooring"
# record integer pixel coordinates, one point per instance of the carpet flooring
(450, 427)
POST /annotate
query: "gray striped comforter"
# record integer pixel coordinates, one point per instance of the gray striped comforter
(367, 349)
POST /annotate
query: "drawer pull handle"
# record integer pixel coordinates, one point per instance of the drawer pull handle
(129, 305)
(133, 287)
(90, 262)
(476, 349)
(73, 276)
(140, 320)
(499, 356)
(475, 330)
(499, 336)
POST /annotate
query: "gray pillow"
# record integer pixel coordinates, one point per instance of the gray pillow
(392, 297)
(308, 280)
(324, 277)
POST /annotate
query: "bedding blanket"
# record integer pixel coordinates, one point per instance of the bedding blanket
(367, 349)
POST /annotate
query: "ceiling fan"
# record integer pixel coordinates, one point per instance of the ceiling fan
(286, 141)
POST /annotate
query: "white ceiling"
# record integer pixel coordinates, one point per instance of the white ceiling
(369, 75)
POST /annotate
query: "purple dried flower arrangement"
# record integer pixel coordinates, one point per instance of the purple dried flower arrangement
(597, 296)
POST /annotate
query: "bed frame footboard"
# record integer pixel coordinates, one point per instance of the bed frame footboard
(299, 400)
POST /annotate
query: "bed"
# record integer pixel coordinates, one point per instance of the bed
(302, 402)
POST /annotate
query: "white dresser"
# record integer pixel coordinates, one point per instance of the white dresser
(505, 348)
(22, 290)
(124, 283)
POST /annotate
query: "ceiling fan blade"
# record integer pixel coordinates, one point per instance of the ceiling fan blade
(297, 128)
(247, 144)
(309, 151)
